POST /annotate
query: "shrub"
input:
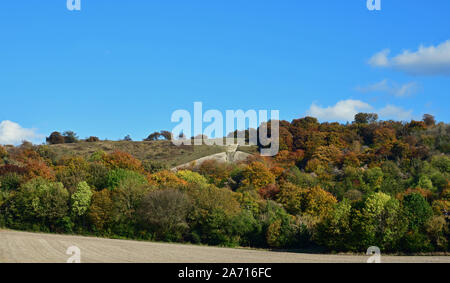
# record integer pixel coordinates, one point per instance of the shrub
(154, 166)
(3, 152)
(92, 139)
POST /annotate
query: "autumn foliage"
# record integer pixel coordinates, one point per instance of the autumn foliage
(334, 186)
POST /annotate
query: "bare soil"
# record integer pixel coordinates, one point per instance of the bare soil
(24, 247)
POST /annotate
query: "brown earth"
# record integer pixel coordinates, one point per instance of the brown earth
(51, 248)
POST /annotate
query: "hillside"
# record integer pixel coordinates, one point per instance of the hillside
(163, 152)
(328, 188)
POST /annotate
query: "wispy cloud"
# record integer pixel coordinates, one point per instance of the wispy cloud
(345, 110)
(431, 60)
(391, 87)
(13, 133)
(395, 113)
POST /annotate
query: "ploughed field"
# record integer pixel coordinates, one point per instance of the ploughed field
(51, 248)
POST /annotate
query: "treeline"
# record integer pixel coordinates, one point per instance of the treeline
(72, 137)
(332, 187)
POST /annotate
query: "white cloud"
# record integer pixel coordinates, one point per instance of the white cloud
(13, 133)
(380, 59)
(432, 60)
(388, 86)
(345, 110)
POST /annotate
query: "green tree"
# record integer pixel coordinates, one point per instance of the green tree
(81, 199)
(366, 118)
(117, 176)
(380, 222)
(335, 231)
(417, 211)
(41, 202)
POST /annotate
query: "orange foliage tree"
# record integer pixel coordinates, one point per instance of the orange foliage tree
(122, 160)
(256, 174)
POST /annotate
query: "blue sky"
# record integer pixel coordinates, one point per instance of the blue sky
(122, 67)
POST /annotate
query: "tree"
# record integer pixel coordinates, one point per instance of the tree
(70, 137)
(166, 135)
(290, 196)
(212, 215)
(117, 176)
(164, 212)
(122, 160)
(366, 118)
(72, 171)
(167, 179)
(312, 201)
(42, 202)
(335, 230)
(429, 120)
(81, 199)
(192, 177)
(127, 198)
(256, 174)
(380, 223)
(127, 138)
(318, 202)
(153, 137)
(55, 138)
(441, 162)
(100, 211)
(437, 230)
(417, 211)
